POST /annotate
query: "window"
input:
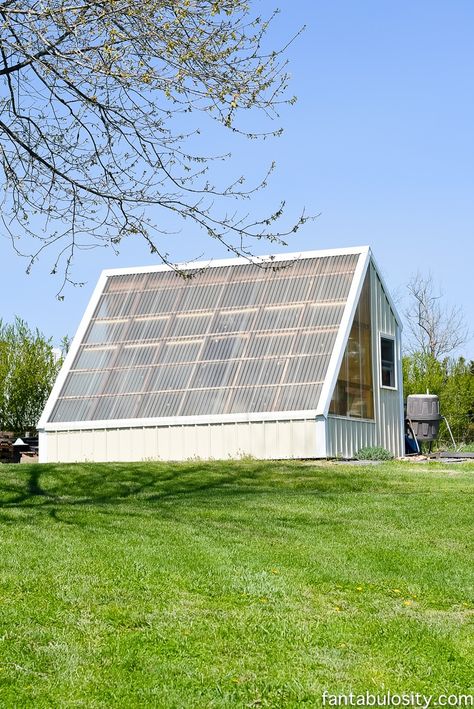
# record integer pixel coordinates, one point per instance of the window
(387, 356)
(353, 394)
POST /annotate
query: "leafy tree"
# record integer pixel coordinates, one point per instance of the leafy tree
(28, 369)
(99, 106)
(450, 379)
(423, 372)
(458, 399)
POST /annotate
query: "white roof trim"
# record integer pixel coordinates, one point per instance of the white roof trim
(180, 421)
(239, 261)
(73, 349)
(343, 333)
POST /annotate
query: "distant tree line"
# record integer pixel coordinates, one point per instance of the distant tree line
(28, 369)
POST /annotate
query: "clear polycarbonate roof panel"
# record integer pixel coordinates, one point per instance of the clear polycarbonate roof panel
(239, 338)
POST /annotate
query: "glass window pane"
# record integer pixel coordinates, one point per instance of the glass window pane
(387, 349)
(353, 394)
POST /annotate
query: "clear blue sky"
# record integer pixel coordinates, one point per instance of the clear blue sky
(381, 143)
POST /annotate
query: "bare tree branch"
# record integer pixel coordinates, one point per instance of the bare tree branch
(435, 329)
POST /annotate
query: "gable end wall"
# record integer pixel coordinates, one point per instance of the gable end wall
(346, 436)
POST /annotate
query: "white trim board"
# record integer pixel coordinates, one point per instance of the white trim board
(73, 349)
(344, 332)
(181, 421)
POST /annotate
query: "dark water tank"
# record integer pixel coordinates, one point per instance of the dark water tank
(423, 414)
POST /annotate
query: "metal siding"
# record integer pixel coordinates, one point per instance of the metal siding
(51, 452)
(346, 436)
(126, 444)
(62, 442)
(263, 440)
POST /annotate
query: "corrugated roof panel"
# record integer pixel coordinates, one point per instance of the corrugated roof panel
(203, 297)
(73, 410)
(244, 399)
(170, 377)
(146, 328)
(126, 381)
(212, 374)
(304, 395)
(85, 383)
(94, 357)
(241, 294)
(270, 344)
(161, 404)
(223, 347)
(324, 315)
(306, 369)
(128, 282)
(176, 351)
(114, 305)
(316, 341)
(190, 325)
(159, 302)
(143, 354)
(238, 338)
(105, 331)
(233, 321)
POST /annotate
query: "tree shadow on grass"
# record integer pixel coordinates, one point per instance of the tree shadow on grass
(90, 484)
(33, 486)
(55, 489)
(32, 490)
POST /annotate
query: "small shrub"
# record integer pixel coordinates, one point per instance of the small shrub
(373, 453)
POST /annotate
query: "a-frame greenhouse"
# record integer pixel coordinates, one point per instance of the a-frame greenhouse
(293, 356)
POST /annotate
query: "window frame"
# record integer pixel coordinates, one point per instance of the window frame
(393, 340)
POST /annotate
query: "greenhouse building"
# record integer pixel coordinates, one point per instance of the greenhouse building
(289, 356)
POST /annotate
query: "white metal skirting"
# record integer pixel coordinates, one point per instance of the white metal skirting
(262, 440)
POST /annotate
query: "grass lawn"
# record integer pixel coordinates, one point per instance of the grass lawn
(233, 584)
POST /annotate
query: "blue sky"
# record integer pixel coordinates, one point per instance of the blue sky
(380, 143)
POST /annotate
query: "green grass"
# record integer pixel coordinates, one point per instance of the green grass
(237, 584)
(466, 447)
